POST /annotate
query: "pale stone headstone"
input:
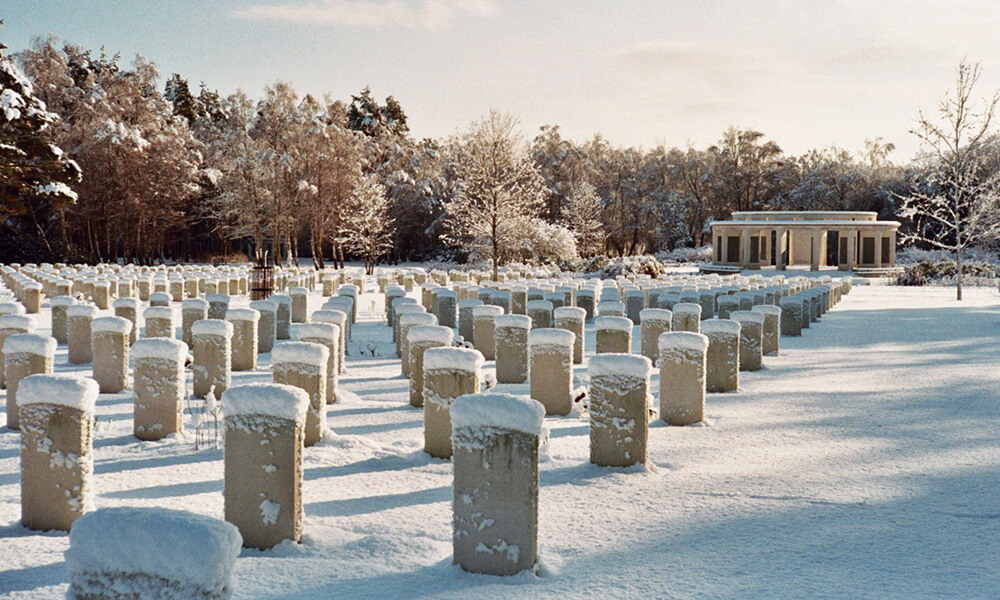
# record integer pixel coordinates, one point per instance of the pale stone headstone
(495, 505)
(619, 409)
(572, 318)
(585, 300)
(686, 317)
(791, 316)
(448, 374)
(283, 316)
(419, 339)
(244, 344)
(300, 304)
(342, 321)
(211, 365)
(263, 461)
(751, 339)
(445, 307)
(218, 304)
(159, 387)
(610, 308)
(59, 304)
(267, 326)
(511, 335)
(159, 322)
(771, 328)
(326, 334)
(78, 319)
(111, 353)
(25, 354)
(654, 321)
(466, 321)
(305, 365)
(722, 360)
(682, 377)
(159, 299)
(56, 413)
(13, 324)
(128, 308)
(192, 310)
(484, 329)
(550, 360)
(613, 335)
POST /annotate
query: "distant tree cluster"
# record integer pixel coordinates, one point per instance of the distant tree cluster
(184, 175)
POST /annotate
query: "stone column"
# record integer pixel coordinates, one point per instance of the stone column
(128, 308)
(306, 366)
(613, 335)
(59, 304)
(682, 377)
(511, 334)
(109, 340)
(779, 255)
(572, 319)
(722, 360)
(448, 374)
(56, 413)
(24, 354)
(540, 312)
(550, 360)
(159, 322)
(771, 328)
(211, 365)
(325, 334)
(300, 305)
(244, 321)
(654, 321)
(814, 244)
(686, 317)
(78, 319)
(495, 438)
(192, 310)
(267, 327)
(619, 409)
(159, 387)
(194, 555)
(751, 334)
(263, 462)
(419, 339)
(483, 329)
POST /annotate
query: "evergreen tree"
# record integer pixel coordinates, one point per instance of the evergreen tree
(367, 116)
(178, 93)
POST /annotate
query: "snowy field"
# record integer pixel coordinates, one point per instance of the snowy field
(864, 462)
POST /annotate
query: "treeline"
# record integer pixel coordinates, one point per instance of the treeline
(188, 175)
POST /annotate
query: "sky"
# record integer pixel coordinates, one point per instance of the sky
(808, 74)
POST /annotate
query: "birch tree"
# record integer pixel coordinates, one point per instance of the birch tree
(953, 203)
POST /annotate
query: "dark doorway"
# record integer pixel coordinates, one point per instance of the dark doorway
(885, 251)
(733, 249)
(868, 251)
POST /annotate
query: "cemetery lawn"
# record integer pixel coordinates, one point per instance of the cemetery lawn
(863, 462)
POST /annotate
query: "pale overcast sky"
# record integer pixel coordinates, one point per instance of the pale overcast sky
(806, 73)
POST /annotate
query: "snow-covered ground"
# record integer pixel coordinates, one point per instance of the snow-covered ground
(863, 462)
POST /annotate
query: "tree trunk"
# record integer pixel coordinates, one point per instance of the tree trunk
(958, 282)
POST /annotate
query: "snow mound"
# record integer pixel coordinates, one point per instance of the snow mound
(322, 331)
(655, 315)
(165, 348)
(486, 310)
(453, 359)
(721, 326)
(687, 308)
(264, 306)
(132, 303)
(158, 312)
(113, 324)
(18, 322)
(513, 321)
(747, 316)
(30, 343)
(242, 314)
(212, 327)
(682, 340)
(548, 336)
(65, 390)
(570, 313)
(613, 323)
(194, 304)
(430, 333)
(268, 399)
(497, 411)
(194, 553)
(619, 365)
(68, 301)
(301, 353)
(11, 308)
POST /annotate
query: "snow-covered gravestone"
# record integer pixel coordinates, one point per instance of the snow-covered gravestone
(13, 325)
(344, 304)
(78, 336)
(305, 365)
(613, 335)
(244, 344)
(505, 300)
(128, 308)
(211, 365)
(751, 339)
(325, 334)
(159, 322)
(102, 295)
(263, 461)
(706, 298)
(218, 304)
(57, 423)
(619, 409)
(585, 300)
(192, 310)
(771, 328)
(448, 374)
(540, 312)
(727, 306)
(144, 288)
(572, 319)
(300, 304)
(511, 334)
(495, 492)
(190, 287)
(484, 329)
(408, 321)
(791, 315)
(686, 317)
(283, 316)
(517, 301)
(722, 360)
(127, 553)
(550, 359)
(466, 321)
(351, 291)
(24, 354)
(59, 304)
(445, 307)
(392, 314)
(654, 322)
(610, 308)
(177, 290)
(267, 326)
(682, 377)
(159, 387)
(342, 321)
(159, 299)
(635, 302)
(110, 344)
(419, 339)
